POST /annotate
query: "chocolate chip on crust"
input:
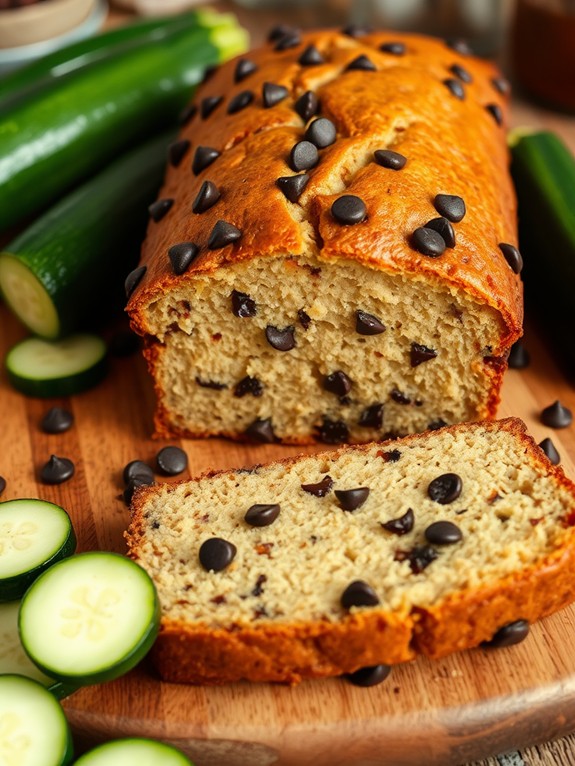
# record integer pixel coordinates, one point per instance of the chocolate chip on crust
(240, 101)
(187, 114)
(388, 159)
(495, 111)
(311, 57)
(244, 68)
(444, 228)
(455, 88)
(203, 157)
(461, 73)
(303, 156)
(428, 242)
(396, 49)
(182, 255)
(133, 279)
(361, 63)
(321, 132)
(289, 40)
(159, 208)
(273, 94)
(208, 195)
(349, 210)
(293, 186)
(450, 206)
(512, 256)
(177, 151)
(223, 234)
(208, 105)
(307, 105)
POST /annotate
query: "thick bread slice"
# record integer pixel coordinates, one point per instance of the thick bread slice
(261, 337)
(275, 612)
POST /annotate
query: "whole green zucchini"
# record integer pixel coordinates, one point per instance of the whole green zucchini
(53, 141)
(70, 264)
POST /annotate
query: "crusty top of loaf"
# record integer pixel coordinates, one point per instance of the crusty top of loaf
(453, 146)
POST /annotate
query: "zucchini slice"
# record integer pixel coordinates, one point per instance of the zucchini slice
(56, 368)
(144, 752)
(34, 534)
(90, 618)
(33, 730)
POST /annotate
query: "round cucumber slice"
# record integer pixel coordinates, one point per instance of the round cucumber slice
(33, 727)
(144, 752)
(27, 297)
(90, 618)
(34, 534)
(56, 368)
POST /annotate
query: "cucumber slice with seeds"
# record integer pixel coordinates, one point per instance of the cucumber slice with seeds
(144, 752)
(34, 534)
(60, 368)
(33, 727)
(90, 618)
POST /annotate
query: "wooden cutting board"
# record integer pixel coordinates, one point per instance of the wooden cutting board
(471, 705)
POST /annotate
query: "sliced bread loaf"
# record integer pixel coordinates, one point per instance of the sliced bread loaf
(321, 565)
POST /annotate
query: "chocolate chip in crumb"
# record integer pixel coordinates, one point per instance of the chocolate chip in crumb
(223, 234)
(332, 431)
(262, 515)
(372, 416)
(133, 280)
(428, 242)
(281, 339)
(203, 158)
(209, 104)
(551, 451)
(401, 525)
(388, 159)
(396, 49)
(359, 593)
(182, 256)
(258, 589)
(249, 385)
(399, 397)
(512, 256)
(461, 73)
(171, 460)
(495, 111)
(443, 533)
(349, 210)
(261, 430)
(337, 383)
(435, 425)
(187, 114)
(137, 468)
(557, 416)
(208, 195)
(420, 558)
(321, 489)
(307, 105)
(455, 88)
(2, 484)
(508, 635)
(216, 554)
(273, 94)
(303, 156)
(444, 228)
(420, 354)
(352, 499)
(244, 68)
(311, 57)
(57, 420)
(321, 132)
(159, 209)
(213, 384)
(304, 319)
(370, 676)
(445, 488)
(368, 324)
(293, 186)
(361, 63)
(392, 456)
(450, 206)
(57, 470)
(519, 357)
(240, 101)
(242, 305)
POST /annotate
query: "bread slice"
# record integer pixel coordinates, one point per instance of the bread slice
(275, 612)
(297, 323)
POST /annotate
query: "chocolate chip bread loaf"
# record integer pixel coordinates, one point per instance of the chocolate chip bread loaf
(332, 256)
(318, 566)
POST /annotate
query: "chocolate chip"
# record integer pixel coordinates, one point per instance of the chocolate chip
(209, 72)
(435, 425)
(444, 228)
(209, 104)
(133, 279)
(57, 470)
(2, 484)
(172, 461)
(272, 94)
(396, 49)
(519, 357)
(240, 101)
(349, 210)
(177, 151)
(223, 234)
(370, 676)
(187, 114)
(216, 554)
(556, 416)
(443, 533)
(281, 339)
(307, 105)
(208, 195)
(304, 155)
(123, 343)
(495, 111)
(304, 319)
(359, 593)
(450, 206)
(321, 489)
(311, 57)
(460, 46)
(361, 63)
(248, 385)
(57, 420)
(262, 515)
(337, 383)
(368, 324)
(390, 457)
(244, 68)
(512, 256)
(289, 40)
(372, 416)
(203, 158)
(159, 208)
(400, 397)
(261, 430)
(401, 525)
(462, 73)
(292, 186)
(182, 255)
(356, 30)
(428, 242)
(455, 88)
(133, 484)
(420, 354)
(501, 85)
(352, 499)
(210, 384)
(332, 431)
(137, 468)
(420, 558)
(258, 589)
(508, 635)
(445, 488)
(388, 159)
(321, 132)
(551, 451)
(243, 305)
(280, 30)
